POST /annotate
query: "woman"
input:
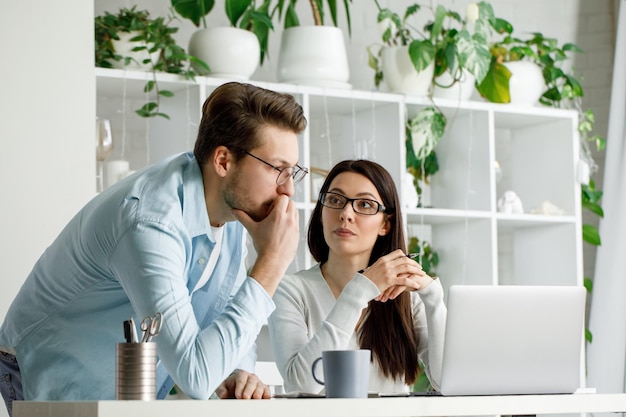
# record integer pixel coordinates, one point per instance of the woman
(389, 306)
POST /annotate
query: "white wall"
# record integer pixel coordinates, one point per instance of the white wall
(47, 108)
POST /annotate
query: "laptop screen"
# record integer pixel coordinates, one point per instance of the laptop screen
(513, 340)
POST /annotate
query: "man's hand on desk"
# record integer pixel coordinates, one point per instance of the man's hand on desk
(243, 385)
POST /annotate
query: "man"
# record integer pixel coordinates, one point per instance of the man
(166, 240)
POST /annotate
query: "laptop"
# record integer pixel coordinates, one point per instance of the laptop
(503, 339)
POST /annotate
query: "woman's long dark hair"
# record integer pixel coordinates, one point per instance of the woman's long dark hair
(387, 329)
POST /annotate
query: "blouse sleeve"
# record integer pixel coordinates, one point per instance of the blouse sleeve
(429, 314)
(305, 323)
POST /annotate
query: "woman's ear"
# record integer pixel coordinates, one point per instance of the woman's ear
(385, 227)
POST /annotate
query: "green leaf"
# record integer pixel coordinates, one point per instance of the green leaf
(149, 86)
(588, 283)
(437, 27)
(473, 55)
(553, 94)
(346, 5)
(588, 336)
(235, 9)
(332, 7)
(147, 109)
(422, 54)
(571, 47)
(166, 93)
(194, 10)
(291, 17)
(502, 26)
(594, 208)
(163, 115)
(198, 63)
(411, 10)
(495, 85)
(591, 235)
(590, 194)
(577, 89)
(435, 258)
(425, 130)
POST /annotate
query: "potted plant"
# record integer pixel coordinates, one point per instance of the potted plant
(428, 258)
(152, 48)
(230, 52)
(410, 60)
(313, 54)
(540, 52)
(462, 54)
(406, 59)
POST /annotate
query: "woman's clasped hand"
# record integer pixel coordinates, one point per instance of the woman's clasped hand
(395, 273)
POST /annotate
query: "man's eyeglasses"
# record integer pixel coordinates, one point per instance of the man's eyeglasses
(359, 205)
(296, 173)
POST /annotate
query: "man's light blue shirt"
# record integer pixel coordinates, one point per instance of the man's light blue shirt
(136, 249)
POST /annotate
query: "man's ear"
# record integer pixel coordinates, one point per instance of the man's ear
(222, 160)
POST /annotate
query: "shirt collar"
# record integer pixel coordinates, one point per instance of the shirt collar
(195, 214)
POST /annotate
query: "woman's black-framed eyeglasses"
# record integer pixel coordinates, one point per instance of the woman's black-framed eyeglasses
(296, 173)
(359, 205)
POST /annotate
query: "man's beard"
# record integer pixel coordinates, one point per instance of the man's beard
(236, 198)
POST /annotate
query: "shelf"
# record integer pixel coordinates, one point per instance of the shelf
(443, 216)
(513, 221)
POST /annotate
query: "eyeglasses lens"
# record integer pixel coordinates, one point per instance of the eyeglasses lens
(359, 205)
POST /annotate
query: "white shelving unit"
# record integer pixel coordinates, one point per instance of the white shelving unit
(536, 149)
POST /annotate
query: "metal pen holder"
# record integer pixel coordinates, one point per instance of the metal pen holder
(135, 371)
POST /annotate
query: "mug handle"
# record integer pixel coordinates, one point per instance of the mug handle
(313, 371)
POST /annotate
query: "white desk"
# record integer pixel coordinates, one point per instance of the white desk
(371, 407)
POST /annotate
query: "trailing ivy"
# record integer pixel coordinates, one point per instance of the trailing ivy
(153, 35)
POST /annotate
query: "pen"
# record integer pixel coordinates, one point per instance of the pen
(127, 334)
(408, 255)
(133, 331)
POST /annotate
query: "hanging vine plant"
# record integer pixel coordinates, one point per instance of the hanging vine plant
(423, 132)
(152, 35)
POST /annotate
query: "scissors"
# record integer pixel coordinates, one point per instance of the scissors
(151, 326)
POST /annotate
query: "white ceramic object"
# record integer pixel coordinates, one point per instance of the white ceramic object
(229, 52)
(124, 47)
(510, 203)
(411, 198)
(461, 90)
(313, 55)
(400, 74)
(116, 170)
(526, 84)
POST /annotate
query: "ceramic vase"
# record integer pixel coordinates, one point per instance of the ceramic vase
(400, 74)
(461, 90)
(124, 47)
(526, 84)
(313, 55)
(229, 52)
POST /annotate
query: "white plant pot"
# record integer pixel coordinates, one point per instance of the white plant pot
(400, 74)
(461, 90)
(229, 52)
(124, 47)
(526, 84)
(313, 55)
